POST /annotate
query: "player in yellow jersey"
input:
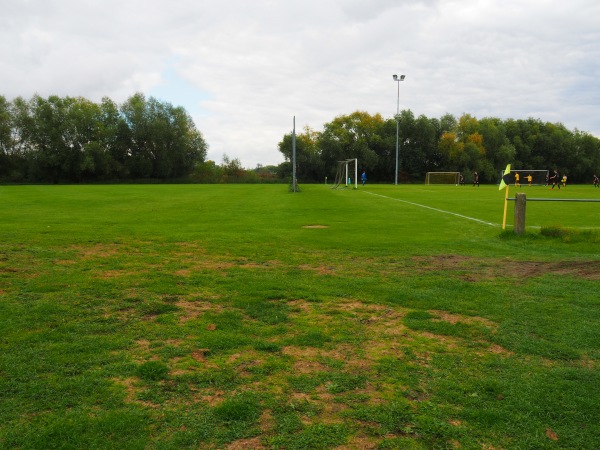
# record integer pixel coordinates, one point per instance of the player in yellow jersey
(529, 179)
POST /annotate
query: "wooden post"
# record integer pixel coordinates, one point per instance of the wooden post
(520, 203)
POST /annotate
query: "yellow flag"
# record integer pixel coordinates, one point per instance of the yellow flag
(505, 181)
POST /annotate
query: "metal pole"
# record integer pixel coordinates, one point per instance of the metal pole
(396, 173)
(397, 130)
(294, 156)
(397, 79)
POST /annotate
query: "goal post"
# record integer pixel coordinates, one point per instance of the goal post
(539, 177)
(344, 174)
(442, 178)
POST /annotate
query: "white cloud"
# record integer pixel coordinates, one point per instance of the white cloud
(244, 69)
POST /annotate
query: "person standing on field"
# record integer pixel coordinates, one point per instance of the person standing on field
(564, 180)
(529, 178)
(555, 180)
(363, 177)
(517, 178)
(596, 181)
(475, 179)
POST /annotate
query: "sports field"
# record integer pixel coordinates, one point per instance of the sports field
(246, 316)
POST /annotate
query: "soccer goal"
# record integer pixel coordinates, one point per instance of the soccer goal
(442, 178)
(342, 176)
(538, 177)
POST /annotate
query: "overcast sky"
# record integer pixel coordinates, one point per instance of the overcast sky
(244, 68)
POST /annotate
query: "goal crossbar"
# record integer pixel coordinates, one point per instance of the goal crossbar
(342, 174)
(442, 177)
(539, 177)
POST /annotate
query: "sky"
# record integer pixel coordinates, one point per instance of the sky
(243, 69)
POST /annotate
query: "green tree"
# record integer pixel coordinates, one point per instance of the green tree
(161, 141)
(6, 141)
(357, 135)
(309, 164)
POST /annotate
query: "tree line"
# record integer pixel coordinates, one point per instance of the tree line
(448, 144)
(71, 139)
(67, 139)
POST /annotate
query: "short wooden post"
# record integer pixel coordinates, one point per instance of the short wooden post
(520, 202)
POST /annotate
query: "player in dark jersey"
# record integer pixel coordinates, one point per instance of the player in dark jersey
(555, 180)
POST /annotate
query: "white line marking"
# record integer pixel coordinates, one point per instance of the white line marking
(435, 209)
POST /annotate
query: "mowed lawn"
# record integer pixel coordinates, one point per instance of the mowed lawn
(246, 316)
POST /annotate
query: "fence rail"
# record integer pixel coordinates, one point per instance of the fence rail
(521, 204)
(588, 200)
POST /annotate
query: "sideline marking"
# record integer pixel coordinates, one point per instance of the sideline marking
(435, 209)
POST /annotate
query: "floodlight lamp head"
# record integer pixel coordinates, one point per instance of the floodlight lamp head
(402, 77)
(395, 77)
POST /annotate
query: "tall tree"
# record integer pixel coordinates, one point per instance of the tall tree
(357, 135)
(309, 165)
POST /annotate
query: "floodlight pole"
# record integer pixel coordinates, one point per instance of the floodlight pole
(294, 182)
(397, 79)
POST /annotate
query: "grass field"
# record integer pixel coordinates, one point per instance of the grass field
(237, 316)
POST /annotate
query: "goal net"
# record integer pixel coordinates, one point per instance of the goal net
(442, 178)
(343, 174)
(538, 177)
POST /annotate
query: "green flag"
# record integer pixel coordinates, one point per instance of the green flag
(505, 178)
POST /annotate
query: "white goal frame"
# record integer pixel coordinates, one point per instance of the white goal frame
(341, 176)
(453, 176)
(540, 177)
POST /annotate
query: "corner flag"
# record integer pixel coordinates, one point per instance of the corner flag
(504, 183)
(505, 178)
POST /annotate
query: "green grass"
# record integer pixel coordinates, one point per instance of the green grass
(200, 316)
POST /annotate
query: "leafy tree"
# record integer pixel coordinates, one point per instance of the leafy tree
(232, 169)
(5, 137)
(208, 172)
(357, 135)
(161, 141)
(309, 165)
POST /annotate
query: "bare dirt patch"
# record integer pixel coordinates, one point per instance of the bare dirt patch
(131, 391)
(246, 444)
(97, 250)
(584, 269)
(476, 269)
(359, 442)
(321, 270)
(260, 265)
(456, 318)
(194, 309)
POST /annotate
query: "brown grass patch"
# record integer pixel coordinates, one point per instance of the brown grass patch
(359, 443)
(192, 309)
(456, 318)
(213, 399)
(97, 250)
(246, 444)
(112, 274)
(131, 389)
(499, 350)
(321, 270)
(262, 265)
(476, 269)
